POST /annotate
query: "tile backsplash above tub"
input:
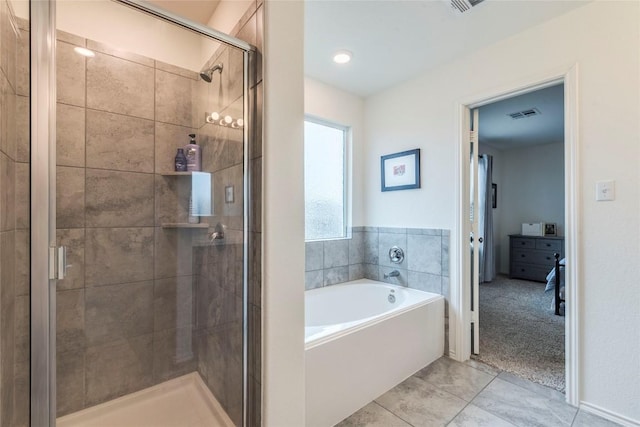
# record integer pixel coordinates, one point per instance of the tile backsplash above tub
(365, 255)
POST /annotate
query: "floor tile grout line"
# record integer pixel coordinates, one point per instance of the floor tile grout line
(431, 384)
(474, 398)
(531, 390)
(516, 385)
(573, 421)
(458, 413)
(501, 371)
(390, 411)
(486, 409)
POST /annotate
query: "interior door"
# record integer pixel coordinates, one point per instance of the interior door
(475, 238)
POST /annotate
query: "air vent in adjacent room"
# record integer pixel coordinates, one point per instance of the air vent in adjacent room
(524, 113)
(462, 6)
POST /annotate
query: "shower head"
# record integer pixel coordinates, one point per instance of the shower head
(207, 75)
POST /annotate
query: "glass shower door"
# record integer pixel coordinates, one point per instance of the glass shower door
(152, 307)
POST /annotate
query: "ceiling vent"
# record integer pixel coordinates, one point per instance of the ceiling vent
(461, 6)
(524, 113)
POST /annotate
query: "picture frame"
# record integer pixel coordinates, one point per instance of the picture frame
(550, 229)
(400, 171)
(494, 196)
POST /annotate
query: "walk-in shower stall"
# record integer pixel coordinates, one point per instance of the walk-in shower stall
(130, 289)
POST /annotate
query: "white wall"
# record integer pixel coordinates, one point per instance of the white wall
(532, 191)
(603, 38)
(283, 215)
(224, 19)
(130, 30)
(20, 8)
(346, 109)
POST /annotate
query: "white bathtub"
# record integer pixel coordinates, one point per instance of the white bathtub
(359, 344)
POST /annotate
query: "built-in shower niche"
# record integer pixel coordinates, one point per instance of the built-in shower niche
(149, 296)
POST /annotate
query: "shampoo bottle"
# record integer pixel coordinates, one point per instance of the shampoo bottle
(180, 161)
(193, 154)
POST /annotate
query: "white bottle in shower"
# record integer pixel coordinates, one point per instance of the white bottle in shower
(193, 218)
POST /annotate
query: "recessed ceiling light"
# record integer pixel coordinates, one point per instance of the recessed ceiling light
(342, 57)
(84, 52)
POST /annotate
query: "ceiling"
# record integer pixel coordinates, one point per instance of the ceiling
(196, 10)
(498, 130)
(393, 41)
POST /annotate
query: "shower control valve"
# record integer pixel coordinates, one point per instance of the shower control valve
(396, 255)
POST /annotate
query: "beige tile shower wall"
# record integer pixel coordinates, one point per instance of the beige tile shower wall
(220, 331)
(126, 310)
(11, 239)
(22, 248)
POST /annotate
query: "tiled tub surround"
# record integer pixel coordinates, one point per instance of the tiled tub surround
(126, 313)
(366, 255)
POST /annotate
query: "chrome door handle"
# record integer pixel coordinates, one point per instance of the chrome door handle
(58, 262)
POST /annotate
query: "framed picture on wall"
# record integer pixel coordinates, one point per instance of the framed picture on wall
(550, 229)
(494, 196)
(400, 171)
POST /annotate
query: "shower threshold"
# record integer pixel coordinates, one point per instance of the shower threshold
(181, 402)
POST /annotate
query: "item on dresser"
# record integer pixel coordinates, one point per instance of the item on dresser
(531, 257)
(532, 228)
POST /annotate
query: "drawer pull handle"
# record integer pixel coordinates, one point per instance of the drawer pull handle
(523, 243)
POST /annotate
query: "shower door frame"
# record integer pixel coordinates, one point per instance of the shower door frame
(44, 263)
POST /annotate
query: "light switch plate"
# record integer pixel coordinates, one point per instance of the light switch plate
(605, 191)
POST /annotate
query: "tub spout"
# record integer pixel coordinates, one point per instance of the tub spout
(394, 273)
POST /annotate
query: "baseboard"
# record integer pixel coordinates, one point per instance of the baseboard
(608, 415)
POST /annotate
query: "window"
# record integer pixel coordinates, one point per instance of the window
(325, 180)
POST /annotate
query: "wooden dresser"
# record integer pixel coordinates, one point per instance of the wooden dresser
(531, 257)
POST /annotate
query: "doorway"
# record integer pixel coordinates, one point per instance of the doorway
(469, 320)
(520, 180)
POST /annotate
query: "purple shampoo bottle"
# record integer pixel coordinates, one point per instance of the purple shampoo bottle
(192, 151)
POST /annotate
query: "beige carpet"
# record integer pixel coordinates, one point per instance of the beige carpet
(519, 332)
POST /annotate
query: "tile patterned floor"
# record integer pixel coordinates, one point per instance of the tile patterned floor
(449, 393)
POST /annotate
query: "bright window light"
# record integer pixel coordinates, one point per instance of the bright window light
(325, 181)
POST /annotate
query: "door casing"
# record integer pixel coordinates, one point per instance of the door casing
(460, 338)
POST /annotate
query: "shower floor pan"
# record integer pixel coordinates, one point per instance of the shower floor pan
(181, 402)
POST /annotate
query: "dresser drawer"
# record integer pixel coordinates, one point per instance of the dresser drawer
(543, 258)
(549, 245)
(528, 272)
(523, 242)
